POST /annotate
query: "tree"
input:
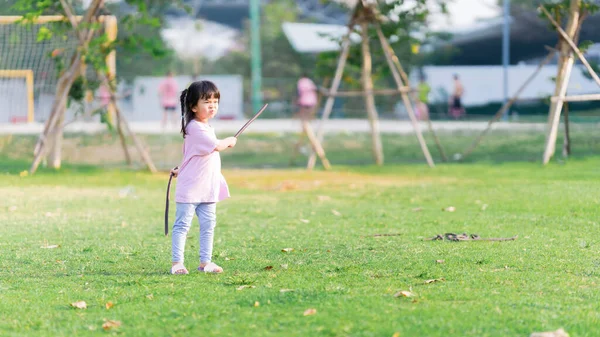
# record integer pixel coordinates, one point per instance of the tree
(91, 53)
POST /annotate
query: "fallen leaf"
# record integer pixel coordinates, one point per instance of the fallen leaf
(24, 174)
(336, 213)
(324, 197)
(440, 261)
(557, 333)
(309, 312)
(79, 305)
(304, 220)
(123, 224)
(285, 290)
(449, 209)
(268, 268)
(484, 207)
(287, 250)
(109, 305)
(245, 286)
(284, 266)
(110, 324)
(403, 293)
(256, 304)
(396, 334)
(435, 280)
(46, 246)
(150, 296)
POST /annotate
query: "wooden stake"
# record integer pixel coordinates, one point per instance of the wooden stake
(507, 105)
(337, 78)
(368, 93)
(395, 73)
(569, 40)
(122, 138)
(562, 82)
(316, 145)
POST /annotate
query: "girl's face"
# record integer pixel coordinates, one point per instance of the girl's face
(206, 108)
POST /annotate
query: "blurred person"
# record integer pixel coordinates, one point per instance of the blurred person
(167, 92)
(200, 183)
(456, 108)
(306, 102)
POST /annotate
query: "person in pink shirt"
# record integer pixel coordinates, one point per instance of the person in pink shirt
(200, 184)
(168, 93)
(307, 97)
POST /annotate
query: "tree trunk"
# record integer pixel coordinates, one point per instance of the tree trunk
(567, 141)
(369, 98)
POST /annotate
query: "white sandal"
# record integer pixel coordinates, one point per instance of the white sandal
(179, 269)
(211, 267)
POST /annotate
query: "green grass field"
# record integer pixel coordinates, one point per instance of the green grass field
(108, 225)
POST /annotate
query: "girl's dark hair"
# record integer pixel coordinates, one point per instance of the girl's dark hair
(190, 97)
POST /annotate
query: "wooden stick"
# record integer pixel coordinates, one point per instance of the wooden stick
(562, 81)
(122, 138)
(316, 145)
(395, 73)
(575, 49)
(578, 98)
(507, 105)
(337, 78)
(367, 83)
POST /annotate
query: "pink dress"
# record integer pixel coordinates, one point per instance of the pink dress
(200, 179)
(307, 93)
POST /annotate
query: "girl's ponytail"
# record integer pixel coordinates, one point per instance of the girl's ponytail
(182, 99)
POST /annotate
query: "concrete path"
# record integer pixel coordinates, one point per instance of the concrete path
(285, 125)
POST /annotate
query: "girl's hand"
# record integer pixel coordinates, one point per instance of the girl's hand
(175, 171)
(232, 141)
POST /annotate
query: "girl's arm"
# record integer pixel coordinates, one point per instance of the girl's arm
(223, 144)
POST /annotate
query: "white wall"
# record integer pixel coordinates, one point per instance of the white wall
(146, 102)
(484, 84)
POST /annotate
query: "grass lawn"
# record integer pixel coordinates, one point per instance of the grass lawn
(108, 226)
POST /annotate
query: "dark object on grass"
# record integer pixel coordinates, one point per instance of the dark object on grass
(466, 237)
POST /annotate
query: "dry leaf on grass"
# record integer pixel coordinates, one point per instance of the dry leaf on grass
(245, 286)
(257, 304)
(418, 209)
(403, 293)
(304, 220)
(285, 290)
(557, 333)
(324, 198)
(150, 296)
(440, 261)
(435, 280)
(268, 268)
(79, 305)
(47, 246)
(336, 213)
(449, 209)
(287, 250)
(284, 266)
(109, 305)
(309, 312)
(396, 334)
(484, 207)
(110, 324)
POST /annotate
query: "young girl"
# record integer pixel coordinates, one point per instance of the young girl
(200, 184)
